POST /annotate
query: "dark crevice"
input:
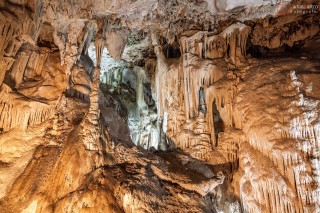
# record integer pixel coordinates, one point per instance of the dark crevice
(171, 50)
(217, 121)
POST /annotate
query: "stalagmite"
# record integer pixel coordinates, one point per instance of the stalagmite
(90, 123)
(140, 75)
(162, 67)
(236, 39)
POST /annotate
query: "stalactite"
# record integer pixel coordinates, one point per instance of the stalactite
(90, 30)
(218, 95)
(116, 41)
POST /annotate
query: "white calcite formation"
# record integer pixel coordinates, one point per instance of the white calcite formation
(186, 93)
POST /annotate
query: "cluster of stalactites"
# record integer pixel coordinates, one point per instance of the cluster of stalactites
(181, 101)
(73, 39)
(196, 79)
(75, 36)
(229, 44)
(187, 92)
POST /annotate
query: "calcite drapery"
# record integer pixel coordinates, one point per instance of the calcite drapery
(230, 43)
(183, 81)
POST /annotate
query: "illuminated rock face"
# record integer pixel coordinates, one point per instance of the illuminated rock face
(159, 106)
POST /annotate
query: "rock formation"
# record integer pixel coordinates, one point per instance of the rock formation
(159, 106)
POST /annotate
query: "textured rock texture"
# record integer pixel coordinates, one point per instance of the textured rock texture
(159, 106)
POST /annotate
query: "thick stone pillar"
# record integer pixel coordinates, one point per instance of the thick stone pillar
(91, 122)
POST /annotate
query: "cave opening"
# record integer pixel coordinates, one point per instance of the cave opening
(202, 101)
(296, 49)
(228, 50)
(257, 51)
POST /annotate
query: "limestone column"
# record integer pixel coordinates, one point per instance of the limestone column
(162, 67)
(140, 75)
(91, 122)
